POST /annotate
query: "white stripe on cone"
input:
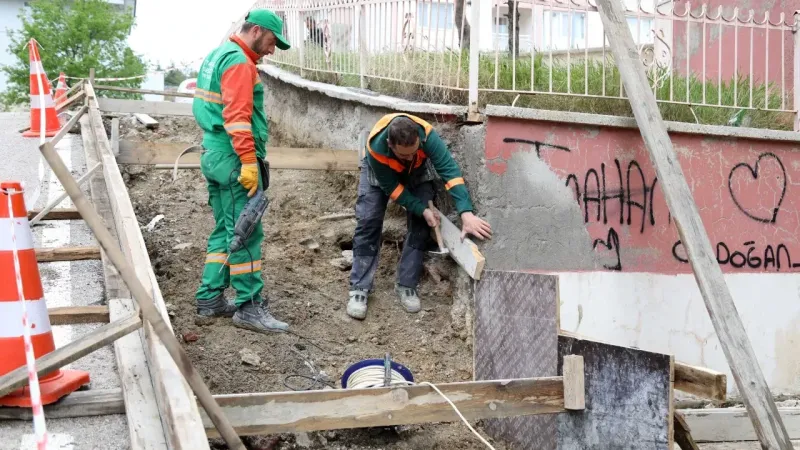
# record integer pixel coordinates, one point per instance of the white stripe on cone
(11, 318)
(22, 231)
(36, 65)
(36, 102)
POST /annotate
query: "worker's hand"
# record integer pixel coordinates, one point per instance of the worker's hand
(474, 225)
(432, 217)
(248, 178)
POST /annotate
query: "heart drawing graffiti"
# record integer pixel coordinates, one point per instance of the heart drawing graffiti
(744, 188)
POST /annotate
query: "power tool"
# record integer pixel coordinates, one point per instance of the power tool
(251, 215)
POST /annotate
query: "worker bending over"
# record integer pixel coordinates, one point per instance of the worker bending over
(404, 155)
(229, 107)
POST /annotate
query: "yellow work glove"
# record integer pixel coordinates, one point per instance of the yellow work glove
(248, 178)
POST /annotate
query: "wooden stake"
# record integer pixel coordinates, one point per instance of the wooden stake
(574, 391)
(71, 315)
(67, 254)
(56, 214)
(140, 294)
(721, 309)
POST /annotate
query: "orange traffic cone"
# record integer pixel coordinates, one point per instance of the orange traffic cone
(12, 348)
(52, 125)
(61, 89)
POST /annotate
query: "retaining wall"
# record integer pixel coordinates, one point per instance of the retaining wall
(576, 195)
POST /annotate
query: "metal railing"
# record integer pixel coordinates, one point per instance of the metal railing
(695, 56)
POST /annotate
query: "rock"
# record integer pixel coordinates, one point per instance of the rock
(302, 440)
(348, 256)
(201, 321)
(310, 243)
(190, 337)
(185, 245)
(152, 224)
(341, 263)
(375, 340)
(249, 357)
(351, 339)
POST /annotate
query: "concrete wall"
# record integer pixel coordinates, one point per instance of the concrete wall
(583, 200)
(627, 286)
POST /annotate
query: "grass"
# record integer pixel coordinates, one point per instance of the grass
(554, 85)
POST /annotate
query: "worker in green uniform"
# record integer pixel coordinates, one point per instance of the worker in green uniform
(404, 156)
(229, 107)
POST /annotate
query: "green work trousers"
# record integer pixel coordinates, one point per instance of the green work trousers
(227, 198)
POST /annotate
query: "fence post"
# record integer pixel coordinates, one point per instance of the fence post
(362, 45)
(302, 41)
(796, 73)
(474, 55)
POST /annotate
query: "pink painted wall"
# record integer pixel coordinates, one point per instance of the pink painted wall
(746, 191)
(773, 63)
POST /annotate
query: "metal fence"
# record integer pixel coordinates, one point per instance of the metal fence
(694, 55)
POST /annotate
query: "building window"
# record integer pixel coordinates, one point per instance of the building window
(564, 29)
(435, 15)
(500, 25)
(644, 34)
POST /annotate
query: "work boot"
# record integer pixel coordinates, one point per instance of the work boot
(216, 307)
(408, 298)
(357, 305)
(255, 316)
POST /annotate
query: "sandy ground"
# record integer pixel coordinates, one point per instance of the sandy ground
(64, 283)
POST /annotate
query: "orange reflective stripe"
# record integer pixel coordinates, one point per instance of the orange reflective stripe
(396, 165)
(420, 158)
(248, 267)
(396, 192)
(218, 258)
(211, 97)
(453, 183)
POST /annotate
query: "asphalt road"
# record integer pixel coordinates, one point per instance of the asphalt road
(65, 283)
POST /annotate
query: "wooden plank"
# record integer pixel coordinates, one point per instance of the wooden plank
(281, 412)
(98, 402)
(701, 382)
(628, 398)
(146, 120)
(141, 408)
(56, 214)
(69, 101)
(683, 435)
(733, 424)
(71, 352)
(516, 337)
(145, 152)
(180, 415)
(465, 253)
(721, 309)
(69, 125)
(118, 105)
(100, 87)
(78, 253)
(115, 136)
(71, 315)
(574, 391)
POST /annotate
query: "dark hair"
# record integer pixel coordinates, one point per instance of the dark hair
(247, 26)
(403, 131)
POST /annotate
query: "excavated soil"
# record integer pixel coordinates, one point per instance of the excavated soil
(306, 290)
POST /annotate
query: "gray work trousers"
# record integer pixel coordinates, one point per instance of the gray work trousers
(370, 210)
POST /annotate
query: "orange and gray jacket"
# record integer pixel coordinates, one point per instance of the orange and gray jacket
(229, 102)
(394, 175)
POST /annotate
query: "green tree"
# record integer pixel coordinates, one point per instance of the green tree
(73, 36)
(174, 77)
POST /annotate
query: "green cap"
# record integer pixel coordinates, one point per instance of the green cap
(270, 21)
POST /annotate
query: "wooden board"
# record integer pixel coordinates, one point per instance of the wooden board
(99, 402)
(116, 105)
(628, 398)
(71, 352)
(100, 87)
(115, 136)
(56, 214)
(144, 152)
(701, 382)
(280, 412)
(728, 325)
(516, 337)
(146, 120)
(179, 412)
(733, 424)
(465, 253)
(78, 253)
(71, 315)
(141, 407)
(683, 435)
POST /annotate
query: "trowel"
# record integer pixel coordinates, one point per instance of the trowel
(443, 251)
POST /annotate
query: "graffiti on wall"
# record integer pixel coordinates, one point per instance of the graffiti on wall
(742, 189)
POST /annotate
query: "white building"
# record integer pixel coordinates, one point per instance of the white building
(9, 20)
